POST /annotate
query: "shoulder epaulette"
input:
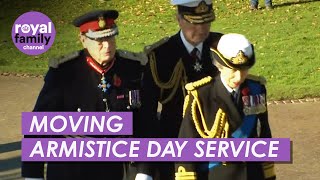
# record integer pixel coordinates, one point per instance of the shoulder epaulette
(260, 79)
(151, 47)
(137, 56)
(55, 62)
(196, 84)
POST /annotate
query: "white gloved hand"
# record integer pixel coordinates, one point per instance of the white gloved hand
(33, 179)
(141, 176)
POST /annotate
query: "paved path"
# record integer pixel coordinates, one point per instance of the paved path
(300, 122)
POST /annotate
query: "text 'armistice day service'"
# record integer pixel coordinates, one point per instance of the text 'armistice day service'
(133, 149)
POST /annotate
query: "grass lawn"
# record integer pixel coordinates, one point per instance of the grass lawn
(286, 39)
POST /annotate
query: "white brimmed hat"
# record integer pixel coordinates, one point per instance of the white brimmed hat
(234, 51)
(195, 11)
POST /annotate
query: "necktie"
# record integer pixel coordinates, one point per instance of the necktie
(195, 53)
(234, 97)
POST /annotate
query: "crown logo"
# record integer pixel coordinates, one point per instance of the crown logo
(241, 58)
(202, 8)
(101, 22)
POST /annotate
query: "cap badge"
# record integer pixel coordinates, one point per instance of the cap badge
(102, 22)
(241, 58)
(202, 8)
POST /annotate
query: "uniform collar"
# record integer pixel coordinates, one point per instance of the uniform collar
(97, 67)
(189, 46)
(227, 87)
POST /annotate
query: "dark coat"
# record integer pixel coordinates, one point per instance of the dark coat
(73, 86)
(167, 56)
(213, 96)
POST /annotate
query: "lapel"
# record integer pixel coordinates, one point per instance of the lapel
(187, 60)
(206, 60)
(181, 50)
(239, 98)
(224, 99)
(206, 57)
(80, 88)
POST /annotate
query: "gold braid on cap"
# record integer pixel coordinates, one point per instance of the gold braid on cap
(220, 128)
(200, 19)
(222, 58)
(178, 77)
(241, 58)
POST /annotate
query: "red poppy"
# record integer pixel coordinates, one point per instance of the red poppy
(245, 91)
(116, 81)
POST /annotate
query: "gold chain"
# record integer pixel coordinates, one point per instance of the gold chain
(220, 128)
(177, 78)
(185, 104)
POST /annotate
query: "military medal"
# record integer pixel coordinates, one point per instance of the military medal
(245, 100)
(197, 66)
(262, 99)
(195, 53)
(253, 104)
(134, 98)
(103, 85)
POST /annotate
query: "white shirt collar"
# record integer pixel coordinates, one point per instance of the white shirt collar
(227, 87)
(189, 46)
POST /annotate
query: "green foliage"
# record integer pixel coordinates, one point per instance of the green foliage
(286, 39)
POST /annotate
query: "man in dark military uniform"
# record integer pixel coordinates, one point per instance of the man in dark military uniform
(97, 78)
(231, 105)
(173, 62)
